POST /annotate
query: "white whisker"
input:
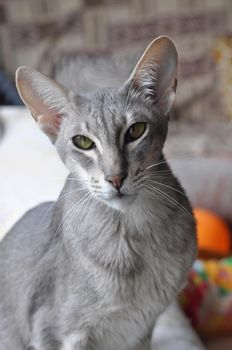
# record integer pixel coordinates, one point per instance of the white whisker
(71, 215)
(61, 198)
(74, 207)
(156, 164)
(164, 185)
(168, 197)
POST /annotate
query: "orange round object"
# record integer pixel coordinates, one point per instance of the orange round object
(214, 237)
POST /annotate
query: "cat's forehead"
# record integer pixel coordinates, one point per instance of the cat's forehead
(103, 111)
(107, 107)
(110, 109)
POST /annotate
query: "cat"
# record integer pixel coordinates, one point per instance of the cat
(95, 269)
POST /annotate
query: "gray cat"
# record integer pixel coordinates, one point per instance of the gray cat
(95, 269)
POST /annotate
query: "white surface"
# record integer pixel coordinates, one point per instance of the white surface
(30, 170)
(174, 332)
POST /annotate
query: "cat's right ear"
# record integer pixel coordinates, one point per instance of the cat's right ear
(154, 77)
(46, 99)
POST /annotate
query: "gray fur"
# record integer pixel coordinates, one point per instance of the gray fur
(95, 269)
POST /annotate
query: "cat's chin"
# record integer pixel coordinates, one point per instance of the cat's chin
(121, 203)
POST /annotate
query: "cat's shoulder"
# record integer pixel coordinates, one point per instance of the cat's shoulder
(30, 227)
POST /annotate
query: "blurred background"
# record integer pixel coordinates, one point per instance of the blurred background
(52, 36)
(44, 33)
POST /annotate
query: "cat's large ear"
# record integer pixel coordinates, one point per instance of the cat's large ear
(155, 74)
(46, 99)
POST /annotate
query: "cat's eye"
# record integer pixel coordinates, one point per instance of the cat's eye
(135, 131)
(83, 142)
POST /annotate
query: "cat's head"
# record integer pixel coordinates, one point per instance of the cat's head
(110, 138)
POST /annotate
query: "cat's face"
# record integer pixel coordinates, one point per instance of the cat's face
(109, 139)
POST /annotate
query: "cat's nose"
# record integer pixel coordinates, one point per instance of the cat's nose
(116, 180)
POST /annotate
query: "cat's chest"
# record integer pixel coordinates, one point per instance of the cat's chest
(125, 328)
(127, 305)
(126, 315)
(133, 295)
(123, 314)
(133, 272)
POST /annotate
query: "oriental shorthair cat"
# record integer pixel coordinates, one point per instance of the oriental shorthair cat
(95, 269)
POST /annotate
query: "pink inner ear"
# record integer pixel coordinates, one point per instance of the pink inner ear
(50, 123)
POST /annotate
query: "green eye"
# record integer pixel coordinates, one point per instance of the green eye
(83, 142)
(135, 131)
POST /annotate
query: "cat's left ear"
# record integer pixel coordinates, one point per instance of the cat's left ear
(155, 74)
(46, 99)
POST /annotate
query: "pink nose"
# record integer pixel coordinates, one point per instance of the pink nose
(116, 180)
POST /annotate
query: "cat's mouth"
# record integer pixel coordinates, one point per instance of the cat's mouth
(119, 200)
(120, 194)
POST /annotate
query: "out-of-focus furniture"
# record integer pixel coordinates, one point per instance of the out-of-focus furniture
(40, 33)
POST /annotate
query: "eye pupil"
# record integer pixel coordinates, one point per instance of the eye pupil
(132, 130)
(135, 131)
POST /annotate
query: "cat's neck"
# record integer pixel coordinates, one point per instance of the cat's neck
(82, 211)
(104, 236)
(107, 237)
(114, 239)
